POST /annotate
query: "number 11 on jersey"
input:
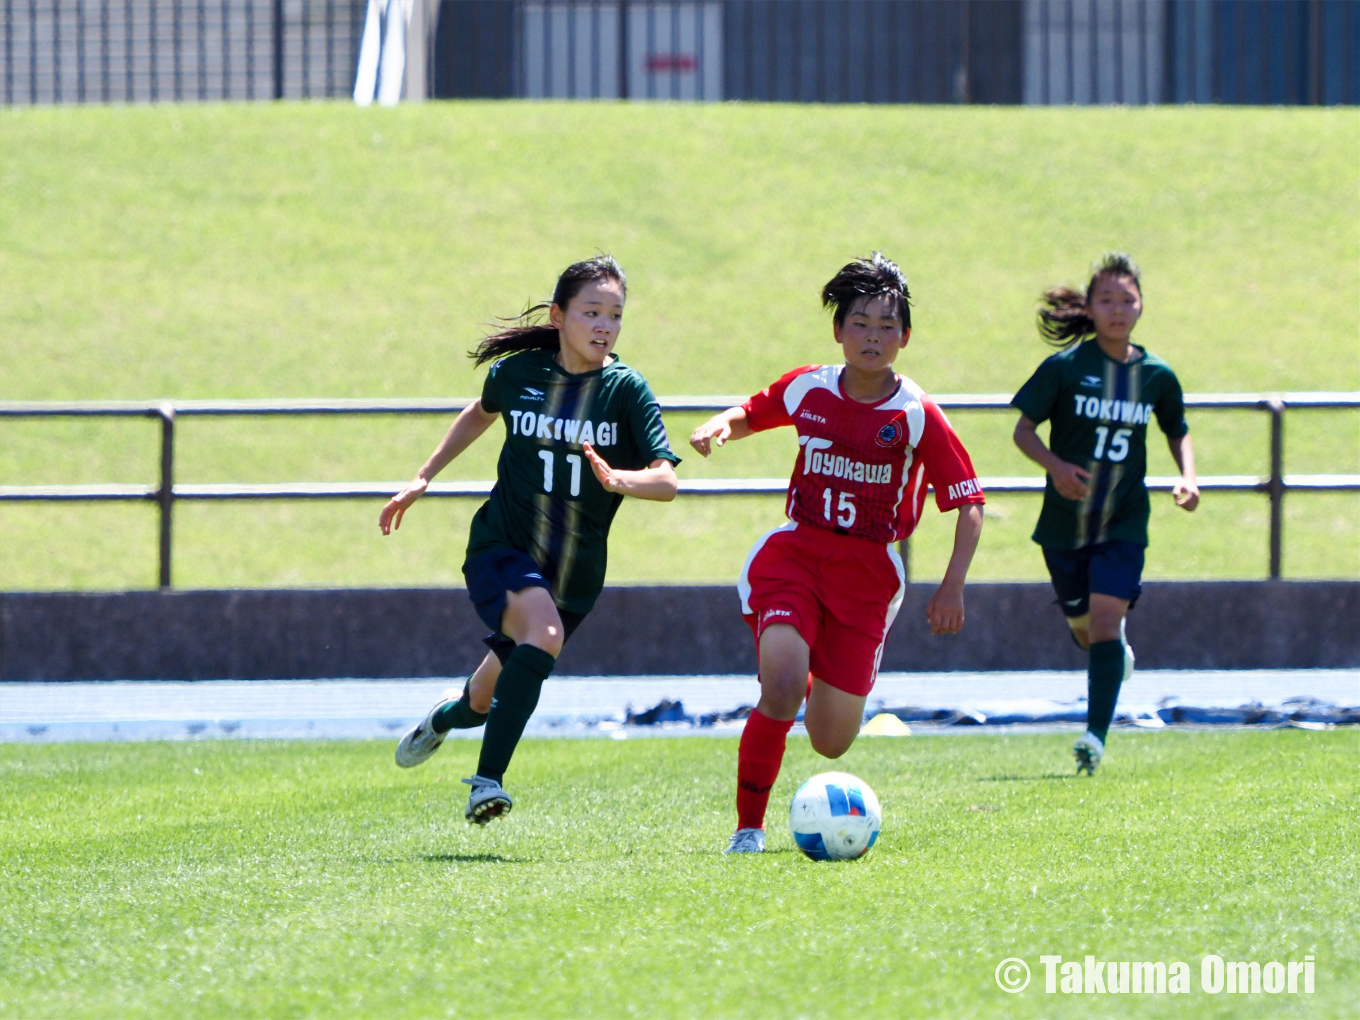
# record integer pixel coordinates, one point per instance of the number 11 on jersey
(845, 508)
(574, 459)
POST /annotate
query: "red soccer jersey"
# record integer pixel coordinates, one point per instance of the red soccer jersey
(864, 468)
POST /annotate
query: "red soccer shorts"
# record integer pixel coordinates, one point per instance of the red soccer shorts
(840, 592)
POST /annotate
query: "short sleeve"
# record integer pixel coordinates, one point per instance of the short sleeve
(1170, 408)
(649, 431)
(1038, 397)
(948, 467)
(766, 410)
(491, 390)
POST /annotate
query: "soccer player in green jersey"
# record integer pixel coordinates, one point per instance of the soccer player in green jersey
(1099, 393)
(582, 430)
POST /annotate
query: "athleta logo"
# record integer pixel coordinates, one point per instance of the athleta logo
(969, 488)
(771, 613)
(813, 417)
(570, 430)
(1091, 382)
(532, 394)
(1127, 411)
(889, 435)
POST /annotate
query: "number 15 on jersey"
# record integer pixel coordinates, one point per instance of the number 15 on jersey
(845, 508)
(1119, 445)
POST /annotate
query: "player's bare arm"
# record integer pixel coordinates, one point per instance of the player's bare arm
(470, 425)
(945, 612)
(1186, 491)
(721, 428)
(656, 482)
(1069, 479)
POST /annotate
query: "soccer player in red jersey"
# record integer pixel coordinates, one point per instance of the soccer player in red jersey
(821, 591)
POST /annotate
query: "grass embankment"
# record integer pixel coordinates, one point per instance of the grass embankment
(325, 251)
(296, 879)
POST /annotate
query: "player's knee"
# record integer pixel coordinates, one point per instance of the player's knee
(830, 745)
(783, 690)
(546, 635)
(1103, 628)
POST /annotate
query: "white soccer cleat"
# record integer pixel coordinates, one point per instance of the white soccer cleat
(419, 743)
(486, 801)
(746, 841)
(1088, 750)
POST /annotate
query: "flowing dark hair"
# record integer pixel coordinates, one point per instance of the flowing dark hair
(528, 331)
(1065, 318)
(867, 278)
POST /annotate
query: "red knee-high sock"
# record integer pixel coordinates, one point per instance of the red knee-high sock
(758, 760)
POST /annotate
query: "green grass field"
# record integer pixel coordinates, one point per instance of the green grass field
(316, 879)
(318, 250)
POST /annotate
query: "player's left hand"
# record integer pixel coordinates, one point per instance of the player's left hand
(945, 611)
(1186, 494)
(606, 475)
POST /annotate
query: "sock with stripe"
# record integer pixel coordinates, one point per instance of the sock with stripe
(759, 756)
(517, 690)
(1105, 675)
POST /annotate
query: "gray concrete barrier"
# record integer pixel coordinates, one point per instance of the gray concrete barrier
(682, 629)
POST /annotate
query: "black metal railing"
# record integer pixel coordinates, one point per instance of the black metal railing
(167, 492)
(103, 51)
(824, 51)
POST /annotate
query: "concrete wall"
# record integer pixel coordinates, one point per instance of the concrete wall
(200, 635)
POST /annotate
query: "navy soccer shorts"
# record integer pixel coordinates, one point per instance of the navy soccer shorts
(1109, 568)
(490, 575)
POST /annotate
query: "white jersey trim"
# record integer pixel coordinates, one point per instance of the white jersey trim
(909, 398)
(743, 580)
(828, 377)
(893, 606)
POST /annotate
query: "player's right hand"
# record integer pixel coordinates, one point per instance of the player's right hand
(715, 431)
(1070, 481)
(390, 518)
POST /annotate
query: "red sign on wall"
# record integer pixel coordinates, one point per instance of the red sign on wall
(671, 63)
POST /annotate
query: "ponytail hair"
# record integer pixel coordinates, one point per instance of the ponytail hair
(1064, 317)
(528, 331)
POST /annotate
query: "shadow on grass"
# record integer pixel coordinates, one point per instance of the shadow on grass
(472, 859)
(1026, 779)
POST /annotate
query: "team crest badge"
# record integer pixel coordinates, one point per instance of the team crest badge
(890, 434)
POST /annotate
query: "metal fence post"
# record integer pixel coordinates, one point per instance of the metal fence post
(623, 49)
(1276, 486)
(165, 495)
(278, 49)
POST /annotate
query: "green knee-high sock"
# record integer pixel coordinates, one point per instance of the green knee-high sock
(457, 715)
(1105, 675)
(517, 691)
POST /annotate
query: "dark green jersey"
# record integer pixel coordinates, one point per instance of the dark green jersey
(547, 501)
(1099, 411)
